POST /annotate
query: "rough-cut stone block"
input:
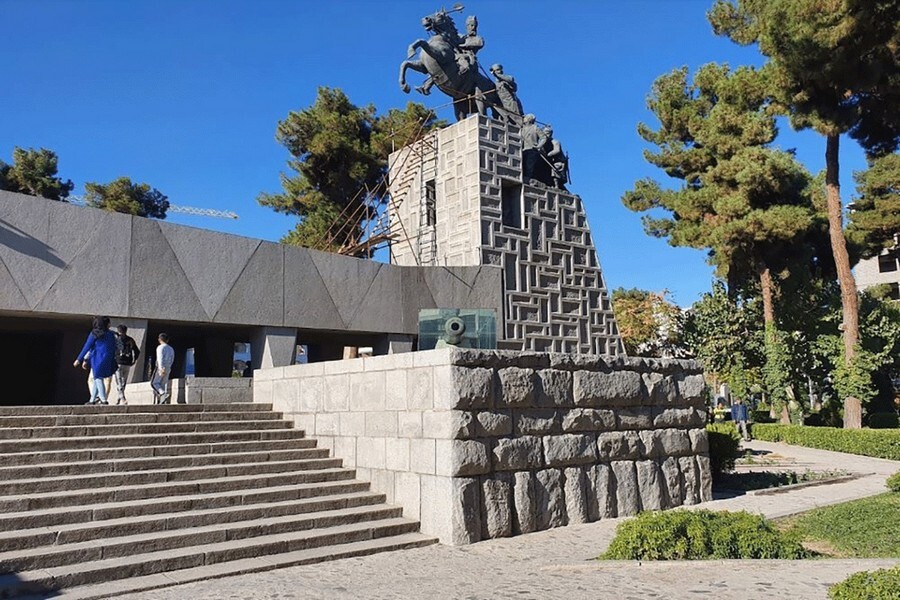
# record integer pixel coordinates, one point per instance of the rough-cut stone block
(513, 454)
(550, 496)
(699, 441)
(409, 424)
(345, 449)
(422, 456)
(310, 393)
(555, 388)
(516, 387)
(672, 478)
(327, 424)
(419, 390)
(569, 449)
(618, 388)
(493, 424)
(653, 447)
(407, 493)
(497, 494)
(619, 445)
(628, 496)
(634, 418)
(588, 419)
(675, 442)
(536, 421)
(690, 480)
(381, 424)
(691, 388)
(352, 423)
(447, 424)
(525, 502)
(601, 495)
(681, 418)
(370, 452)
(650, 483)
(466, 510)
(474, 388)
(396, 454)
(576, 362)
(576, 495)
(661, 390)
(704, 474)
(460, 458)
(366, 391)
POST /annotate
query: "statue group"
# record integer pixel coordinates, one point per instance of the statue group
(450, 61)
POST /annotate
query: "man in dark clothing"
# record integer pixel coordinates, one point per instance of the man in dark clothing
(126, 355)
(739, 416)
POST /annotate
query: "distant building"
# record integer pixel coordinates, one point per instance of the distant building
(880, 270)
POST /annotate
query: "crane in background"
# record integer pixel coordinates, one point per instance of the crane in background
(175, 208)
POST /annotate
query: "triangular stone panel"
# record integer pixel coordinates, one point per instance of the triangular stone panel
(212, 261)
(347, 280)
(416, 296)
(307, 302)
(10, 295)
(257, 297)
(95, 281)
(30, 260)
(450, 289)
(379, 310)
(159, 288)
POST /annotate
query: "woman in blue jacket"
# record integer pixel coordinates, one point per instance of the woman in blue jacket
(101, 343)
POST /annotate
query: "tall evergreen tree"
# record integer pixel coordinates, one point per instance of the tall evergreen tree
(834, 67)
(34, 172)
(126, 197)
(875, 219)
(339, 155)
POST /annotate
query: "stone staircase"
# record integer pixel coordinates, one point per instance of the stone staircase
(98, 501)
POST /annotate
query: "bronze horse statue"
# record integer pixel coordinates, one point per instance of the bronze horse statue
(471, 90)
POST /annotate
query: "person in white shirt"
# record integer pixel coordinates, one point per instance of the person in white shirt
(165, 356)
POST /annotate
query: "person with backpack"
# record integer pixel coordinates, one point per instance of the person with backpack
(127, 354)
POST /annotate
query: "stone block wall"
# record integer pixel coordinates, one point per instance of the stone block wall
(481, 444)
(193, 390)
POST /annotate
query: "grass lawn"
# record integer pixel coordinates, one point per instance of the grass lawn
(866, 528)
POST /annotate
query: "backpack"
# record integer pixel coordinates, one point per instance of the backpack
(126, 350)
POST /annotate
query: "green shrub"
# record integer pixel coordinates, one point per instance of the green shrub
(700, 534)
(883, 584)
(724, 444)
(893, 482)
(762, 416)
(884, 420)
(879, 443)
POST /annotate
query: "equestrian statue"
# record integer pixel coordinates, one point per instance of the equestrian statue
(448, 59)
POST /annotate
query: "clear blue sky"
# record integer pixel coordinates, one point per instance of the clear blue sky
(186, 94)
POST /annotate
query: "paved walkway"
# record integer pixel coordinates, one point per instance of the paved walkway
(558, 563)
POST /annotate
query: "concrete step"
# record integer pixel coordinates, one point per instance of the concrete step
(125, 452)
(89, 563)
(174, 506)
(80, 443)
(61, 554)
(82, 531)
(86, 409)
(15, 433)
(86, 466)
(135, 478)
(133, 418)
(23, 502)
(129, 581)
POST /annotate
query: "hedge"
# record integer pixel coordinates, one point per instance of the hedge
(879, 443)
(883, 584)
(893, 482)
(724, 448)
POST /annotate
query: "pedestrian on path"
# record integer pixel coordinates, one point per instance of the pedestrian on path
(101, 345)
(127, 354)
(165, 357)
(739, 416)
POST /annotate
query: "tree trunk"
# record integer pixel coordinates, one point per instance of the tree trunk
(765, 284)
(849, 299)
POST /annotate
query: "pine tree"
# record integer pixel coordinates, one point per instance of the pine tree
(833, 67)
(34, 172)
(875, 218)
(126, 197)
(339, 154)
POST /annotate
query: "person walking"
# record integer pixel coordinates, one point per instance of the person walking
(127, 354)
(739, 416)
(101, 345)
(165, 357)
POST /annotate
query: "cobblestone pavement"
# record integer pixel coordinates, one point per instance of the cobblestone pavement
(558, 563)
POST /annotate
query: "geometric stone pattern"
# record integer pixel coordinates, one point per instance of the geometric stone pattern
(555, 298)
(480, 444)
(64, 259)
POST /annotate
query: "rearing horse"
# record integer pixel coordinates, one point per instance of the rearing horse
(471, 91)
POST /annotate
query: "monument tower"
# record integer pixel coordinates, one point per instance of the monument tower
(491, 190)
